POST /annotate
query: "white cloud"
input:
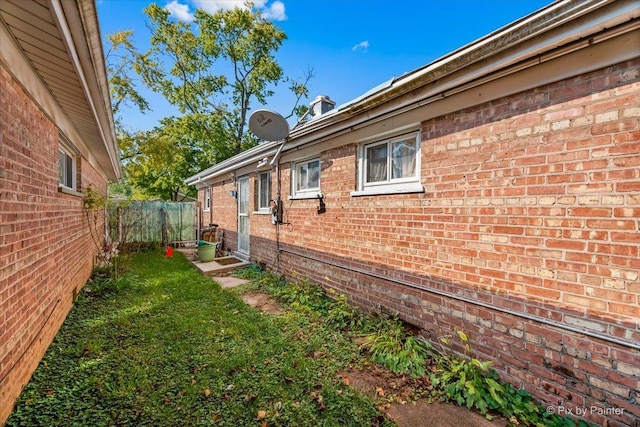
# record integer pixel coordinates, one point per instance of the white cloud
(275, 12)
(212, 6)
(180, 11)
(363, 45)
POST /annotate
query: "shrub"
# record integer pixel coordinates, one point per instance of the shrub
(392, 347)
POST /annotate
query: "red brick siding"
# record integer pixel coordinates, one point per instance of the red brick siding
(224, 212)
(41, 229)
(532, 204)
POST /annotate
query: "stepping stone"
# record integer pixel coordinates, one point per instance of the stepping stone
(230, 281)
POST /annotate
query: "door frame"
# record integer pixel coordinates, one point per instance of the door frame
(243, 181)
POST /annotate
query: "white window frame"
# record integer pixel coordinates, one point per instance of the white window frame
(306, 193)
(410, 184)
(207, 199)
(66, 149)
(264, 208)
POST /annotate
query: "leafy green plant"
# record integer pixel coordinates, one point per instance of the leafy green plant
(467, 381)
(343, 316)
(303, 294)
(470, 382)
(398, 351)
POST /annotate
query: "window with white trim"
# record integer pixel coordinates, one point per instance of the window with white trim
(390, 166)
(306, 178)
(207, 199)
(67, 165)
(264, 191)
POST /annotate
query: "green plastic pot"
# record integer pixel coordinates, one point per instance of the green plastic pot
(206, 251)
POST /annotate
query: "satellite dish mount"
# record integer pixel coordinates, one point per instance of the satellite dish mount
(271, 126)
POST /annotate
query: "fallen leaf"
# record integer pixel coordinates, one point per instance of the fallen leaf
(346, 381)
(207, 392)
(262, 414)
(379, 391)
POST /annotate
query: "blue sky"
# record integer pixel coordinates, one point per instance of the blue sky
(351, 45)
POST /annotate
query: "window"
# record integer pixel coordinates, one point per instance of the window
(67, 165)
(306, 178)
(390, 166)
(264, 190)
(207, 199)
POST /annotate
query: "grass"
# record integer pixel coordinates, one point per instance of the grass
(165, 346)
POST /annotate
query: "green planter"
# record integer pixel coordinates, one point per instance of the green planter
(206, 251)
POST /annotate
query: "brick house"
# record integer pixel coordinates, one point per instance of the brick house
(56, 139)
(495, 190)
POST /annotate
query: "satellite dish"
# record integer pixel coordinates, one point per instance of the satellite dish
(268, 125)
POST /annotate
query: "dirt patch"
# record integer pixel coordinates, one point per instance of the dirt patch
(383, 385)
(262, 302)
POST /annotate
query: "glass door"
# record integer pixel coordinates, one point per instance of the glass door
(243, 215)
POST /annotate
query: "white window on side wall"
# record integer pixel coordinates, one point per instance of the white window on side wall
(306, 179)
(389, 166)
(264, 191)
(67, 165)
(207, 199)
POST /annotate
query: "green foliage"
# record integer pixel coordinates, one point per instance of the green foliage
(156, 162)
(474, 384)
(213, 70)
(170, 348)
(394, 348)
(467, 381)
(121, 58)
(303, 294)
(218, 65)
(343, 316)
(464, 380)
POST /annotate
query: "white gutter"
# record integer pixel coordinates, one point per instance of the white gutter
(106, 135)
(243, 159)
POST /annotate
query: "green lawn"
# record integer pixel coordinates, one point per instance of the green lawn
(166, 346)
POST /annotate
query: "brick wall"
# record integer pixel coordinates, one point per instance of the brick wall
(224, 212)
(41, 230)
(532, 206)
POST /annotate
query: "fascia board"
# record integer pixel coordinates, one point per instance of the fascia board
(253, 155)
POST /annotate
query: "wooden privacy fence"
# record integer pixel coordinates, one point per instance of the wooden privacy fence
(153, 222)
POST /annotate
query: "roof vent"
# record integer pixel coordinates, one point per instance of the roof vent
(321, 105)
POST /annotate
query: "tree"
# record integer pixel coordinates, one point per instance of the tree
(216, 66)
(157, 161)
(121, 58)
(213, 70)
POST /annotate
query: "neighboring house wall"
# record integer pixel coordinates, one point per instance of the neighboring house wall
(524, 227)
(531, 208)
(47, 247)
(46, 250)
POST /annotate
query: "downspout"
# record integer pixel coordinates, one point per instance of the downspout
(276, 161)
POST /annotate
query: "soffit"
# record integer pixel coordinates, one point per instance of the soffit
(37, 34)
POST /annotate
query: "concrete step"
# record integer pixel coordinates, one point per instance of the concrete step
(223, 266)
